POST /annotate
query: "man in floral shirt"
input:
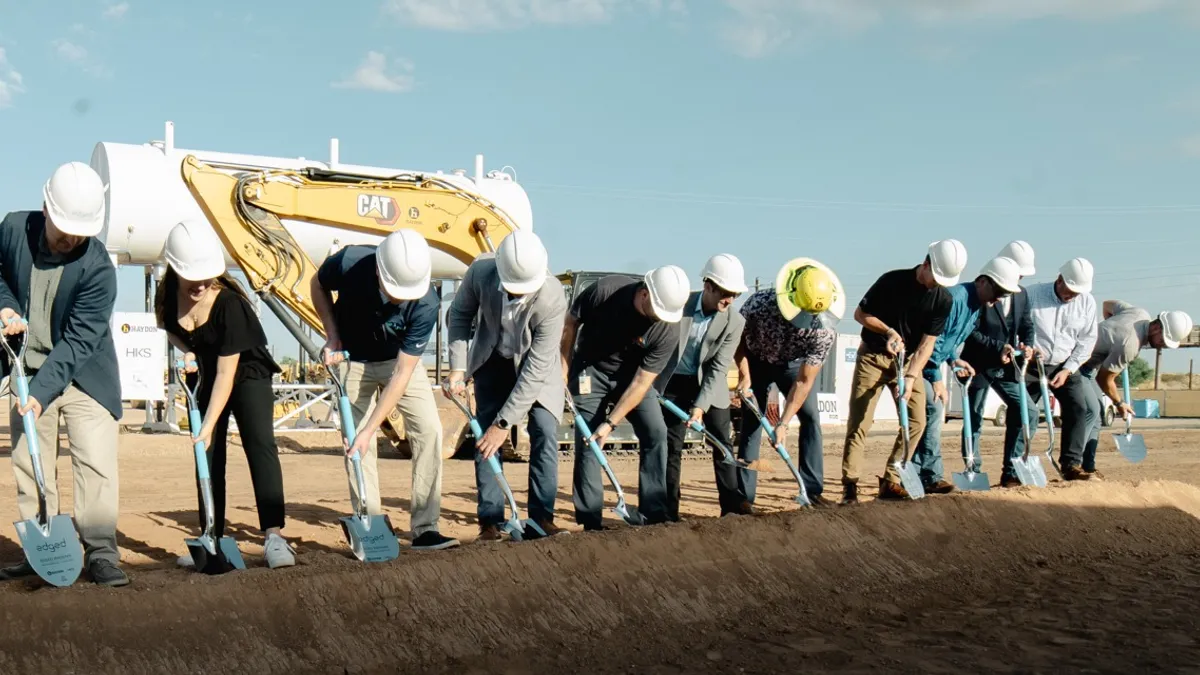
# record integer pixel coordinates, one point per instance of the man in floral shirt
(783, 345)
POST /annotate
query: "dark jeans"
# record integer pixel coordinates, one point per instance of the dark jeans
(1004, 383)
(1076, 414)
(494, 382)
(811, 461)
(682, 390)
(252, 404)
(1096, 413)
(651, 430)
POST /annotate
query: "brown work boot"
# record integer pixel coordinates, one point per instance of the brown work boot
(547, 526)
(1075, 472)
(821, 501)
(1096, 475)
(942, 487)
(849, 494)
(1007, 481)
(890, 489)
(489, 533)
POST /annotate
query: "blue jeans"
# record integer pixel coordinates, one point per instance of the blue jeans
(1004, 383)
(928, 454)
(1096, 412)
(811, 463)
(494, 383)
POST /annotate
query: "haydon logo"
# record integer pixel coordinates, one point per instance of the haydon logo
(51, 546)
(382, 209)
(127, 328)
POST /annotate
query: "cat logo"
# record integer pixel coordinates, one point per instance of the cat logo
(381, 209)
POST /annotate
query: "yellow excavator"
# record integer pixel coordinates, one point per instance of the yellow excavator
(245, 206)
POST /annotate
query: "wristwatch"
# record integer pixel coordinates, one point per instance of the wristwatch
(502, 423)
(609, 422)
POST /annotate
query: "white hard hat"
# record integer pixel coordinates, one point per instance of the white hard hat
(404, 264)
(1077, 275)
(1176, 326)
(947, 259)
(669, 292)
(194, 252)
(725, 270)
(1021, 252)
(1006, 272)
(522, 262)
(74, 197)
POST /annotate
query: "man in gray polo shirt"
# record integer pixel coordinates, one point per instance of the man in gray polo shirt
(1125, 331)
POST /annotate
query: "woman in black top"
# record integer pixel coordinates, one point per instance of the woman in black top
(207, 315)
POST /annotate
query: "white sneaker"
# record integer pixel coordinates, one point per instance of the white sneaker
(185, 561)
(278, 552)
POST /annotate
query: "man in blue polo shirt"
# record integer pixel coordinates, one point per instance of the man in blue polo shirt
(998, 278)
(385, 312)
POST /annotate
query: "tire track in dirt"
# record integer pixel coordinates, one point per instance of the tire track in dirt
(1036, 579)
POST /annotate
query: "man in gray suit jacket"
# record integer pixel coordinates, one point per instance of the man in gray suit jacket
(696, 377)
(518, 310)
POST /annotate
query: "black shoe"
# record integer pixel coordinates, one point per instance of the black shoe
(1009, 481)
(433, 541)
(18, 571)
(106, 573)
(849, 494)
(820, 501)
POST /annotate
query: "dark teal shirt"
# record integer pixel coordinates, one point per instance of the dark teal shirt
(371, 327)
(962, 319)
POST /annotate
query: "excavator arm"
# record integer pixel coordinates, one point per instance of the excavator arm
(245, 206)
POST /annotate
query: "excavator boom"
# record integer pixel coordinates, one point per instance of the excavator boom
(246, 206)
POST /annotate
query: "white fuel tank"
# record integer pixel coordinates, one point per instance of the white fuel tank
(147, 197)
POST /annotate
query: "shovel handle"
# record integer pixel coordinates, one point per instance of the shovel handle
(1128, 399)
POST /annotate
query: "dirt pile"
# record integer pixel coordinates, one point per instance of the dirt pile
(1101, 577)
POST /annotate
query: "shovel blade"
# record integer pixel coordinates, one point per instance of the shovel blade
(373, 541)
(515, 529)
(910, 479)
(1131, 446)
(971, 481)
(630, 517)
(56, 555)
(214, 557)
(1037, 472)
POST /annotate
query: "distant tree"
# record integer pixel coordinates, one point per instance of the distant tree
(286, 361)
(1139, 372)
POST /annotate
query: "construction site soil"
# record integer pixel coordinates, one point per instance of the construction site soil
(1082, 577)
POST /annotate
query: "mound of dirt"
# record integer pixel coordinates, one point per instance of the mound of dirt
(1089, 576)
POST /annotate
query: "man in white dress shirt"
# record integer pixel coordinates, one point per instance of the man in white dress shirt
(1065, 330)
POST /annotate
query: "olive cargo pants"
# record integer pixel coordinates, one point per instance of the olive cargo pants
(873, 372)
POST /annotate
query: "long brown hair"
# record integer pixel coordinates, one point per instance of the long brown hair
(166, 296)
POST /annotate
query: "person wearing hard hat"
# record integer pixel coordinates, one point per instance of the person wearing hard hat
(207, 316)
(58, 286)
(386, 310)
(1003, 328)
(696, 378)
(790, 330)
(904, 310)
(1125, 331)
(627, 330)
(1065, 332)
(515, 310)
(998, 279)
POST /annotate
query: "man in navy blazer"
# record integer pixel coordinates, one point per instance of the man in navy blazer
(56, 274)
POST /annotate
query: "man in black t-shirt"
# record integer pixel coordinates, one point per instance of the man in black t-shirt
(627, 329)
(904, 308)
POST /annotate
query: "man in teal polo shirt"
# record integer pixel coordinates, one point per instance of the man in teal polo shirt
(998, 278)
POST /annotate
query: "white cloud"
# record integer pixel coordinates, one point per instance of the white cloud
(78, 55)
(811, 18)
(1190, 146)
(11, 83)
(373, 75)
(490, 15)
(116, 11)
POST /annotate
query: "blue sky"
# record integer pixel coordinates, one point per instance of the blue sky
(662, 131)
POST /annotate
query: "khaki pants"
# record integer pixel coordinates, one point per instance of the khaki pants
(422, 427)
(92, 443)
(873, 372)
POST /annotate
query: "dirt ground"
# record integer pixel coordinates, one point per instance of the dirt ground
(1097, 577)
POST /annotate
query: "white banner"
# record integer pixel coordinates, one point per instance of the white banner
(141, 356)
(827, 404)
